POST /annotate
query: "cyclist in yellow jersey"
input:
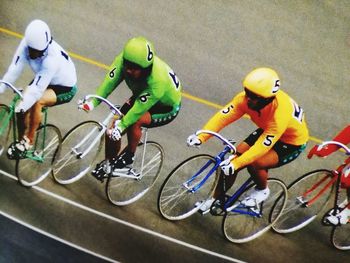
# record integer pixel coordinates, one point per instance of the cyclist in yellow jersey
(281, 136)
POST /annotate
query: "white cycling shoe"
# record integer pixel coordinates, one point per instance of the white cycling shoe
(255, 197)
(205, 205)
(341, 218)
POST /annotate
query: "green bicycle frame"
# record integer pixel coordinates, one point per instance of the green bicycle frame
(11, 117)
(32, 154)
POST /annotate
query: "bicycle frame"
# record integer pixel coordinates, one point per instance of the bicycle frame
(218, 159)
(31, 154)
(96, 140)
(18, 96)
(336, 178)
(104, 123)
(238, 208)
(129, 172)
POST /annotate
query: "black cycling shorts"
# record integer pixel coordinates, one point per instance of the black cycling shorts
(63, 94)
(286, 152)
(160, 114)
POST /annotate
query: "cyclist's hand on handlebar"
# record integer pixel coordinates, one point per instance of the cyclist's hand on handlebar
(85, 105)
(193, 141)
(227, 166)
(115, 133)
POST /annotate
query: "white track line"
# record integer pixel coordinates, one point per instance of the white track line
(145, 230)
(54, 237)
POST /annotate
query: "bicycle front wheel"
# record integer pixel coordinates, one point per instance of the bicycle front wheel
(340, 237)
(125, 189)
(244, 224)
(38, 162)
(80, 147)
(5, 127)
(186, 185)
(308, 195)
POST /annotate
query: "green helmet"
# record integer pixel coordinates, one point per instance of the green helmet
(140, 51)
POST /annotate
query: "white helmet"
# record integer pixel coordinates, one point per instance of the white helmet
(38, 35)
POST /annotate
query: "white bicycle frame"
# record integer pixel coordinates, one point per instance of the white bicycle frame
(130, 172)
(125, 172)
(114, 111)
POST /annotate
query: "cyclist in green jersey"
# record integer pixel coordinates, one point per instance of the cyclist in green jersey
(155, 100)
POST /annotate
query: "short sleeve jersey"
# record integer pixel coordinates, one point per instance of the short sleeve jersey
(161, 86)
(282, 120)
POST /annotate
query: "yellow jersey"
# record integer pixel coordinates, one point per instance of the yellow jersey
(282, 120)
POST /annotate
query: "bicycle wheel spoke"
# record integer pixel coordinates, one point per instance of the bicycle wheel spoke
(79, 150)
(37, 166)
(340, 237)
(245, 224)
(298, 212)
(128, 188)
(175, 201)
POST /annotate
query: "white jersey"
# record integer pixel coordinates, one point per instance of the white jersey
(54, 68)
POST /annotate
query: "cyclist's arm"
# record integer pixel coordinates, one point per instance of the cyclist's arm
(112, 79)
(16, 67)
(272, 133)
(38, 86)
(228, 114)
(142, 104)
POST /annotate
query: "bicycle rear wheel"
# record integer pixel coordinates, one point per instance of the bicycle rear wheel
(5, 127)
(340, 237)
(298, 212)
(239, 226)
(176, 201)
(69, 165)
(38, 162)
(122, 190)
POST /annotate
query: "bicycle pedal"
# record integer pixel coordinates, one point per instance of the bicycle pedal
(203, 213)
(217, 209)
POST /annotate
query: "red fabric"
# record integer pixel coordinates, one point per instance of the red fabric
(342, 137)
(345, 177)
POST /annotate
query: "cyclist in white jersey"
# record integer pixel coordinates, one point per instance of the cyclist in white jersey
(54, 82)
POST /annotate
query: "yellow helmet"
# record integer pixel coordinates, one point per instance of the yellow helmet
(263, 82)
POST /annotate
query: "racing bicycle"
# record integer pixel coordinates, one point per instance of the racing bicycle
(36, 165)
(83, 143)
(194, 180)
(310, 194)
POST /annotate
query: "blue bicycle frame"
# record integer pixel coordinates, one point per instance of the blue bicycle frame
(241, 209)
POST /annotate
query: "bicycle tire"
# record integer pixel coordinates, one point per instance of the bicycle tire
(296, 215)
(241, 228)
(175, 201)
(30, 171)
(68, 167)
(123, 191)
(5, 134)
(340, 237)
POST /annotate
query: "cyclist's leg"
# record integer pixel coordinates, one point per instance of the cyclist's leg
(49, 98)
(112, 148)
(157, 116)
(134, 132)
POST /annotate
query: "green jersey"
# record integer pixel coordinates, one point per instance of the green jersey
(161, 86)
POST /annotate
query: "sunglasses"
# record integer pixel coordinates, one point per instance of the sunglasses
(131, 65)
(252, 95)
